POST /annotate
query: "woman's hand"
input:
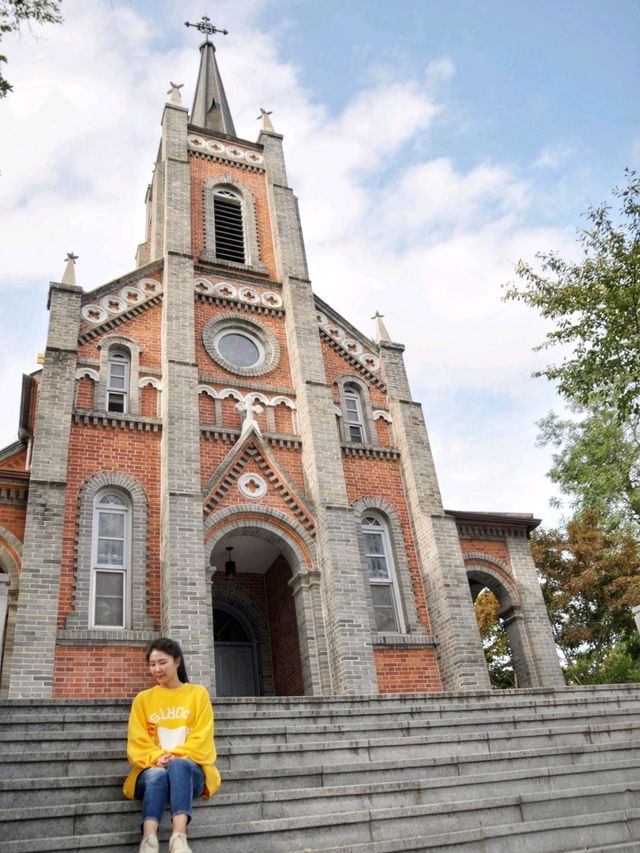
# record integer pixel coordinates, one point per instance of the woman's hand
(165, 760)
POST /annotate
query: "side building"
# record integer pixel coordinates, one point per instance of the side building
(213, 453)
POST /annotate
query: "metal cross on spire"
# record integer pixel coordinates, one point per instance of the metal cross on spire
(205, 26)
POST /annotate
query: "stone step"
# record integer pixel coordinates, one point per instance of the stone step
(559, 822)
(16, 763)
(609, 831)
(16, 792)
(36, 820)
(314, 706)
(28, 768)
(106, 737)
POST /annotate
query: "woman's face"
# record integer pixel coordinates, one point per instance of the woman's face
(164, 668)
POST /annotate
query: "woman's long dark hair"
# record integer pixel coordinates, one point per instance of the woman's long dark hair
(169, 647)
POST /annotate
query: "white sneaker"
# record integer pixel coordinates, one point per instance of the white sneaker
(149, 844)
(178, 843)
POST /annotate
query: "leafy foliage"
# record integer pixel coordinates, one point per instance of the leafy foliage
(596, 463)
(595, 305)
(494, 640)
(15, 12)
(590, 577)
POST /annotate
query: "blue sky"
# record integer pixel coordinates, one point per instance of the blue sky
(431, 145)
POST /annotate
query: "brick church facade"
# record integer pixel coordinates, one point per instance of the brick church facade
(212, 453)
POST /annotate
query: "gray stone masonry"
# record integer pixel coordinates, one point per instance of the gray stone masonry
(500, 771)
(36, 620)
(185, 593)
(343, 583)
(535, 620)
(453, 621)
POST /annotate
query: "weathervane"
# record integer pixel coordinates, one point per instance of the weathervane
(205, 26)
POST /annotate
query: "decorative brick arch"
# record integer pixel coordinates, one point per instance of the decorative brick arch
(484, 570)
(137, 617)
(494, 574)
(403, 573)
(265, 523)
(298, 548)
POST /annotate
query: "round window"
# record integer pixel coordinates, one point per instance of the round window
(239, 349)
(241, 346)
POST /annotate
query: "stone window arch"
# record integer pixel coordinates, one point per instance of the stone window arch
(134, 498)
(393, 539)
(117, 389)
(356, 421)
(230, 225)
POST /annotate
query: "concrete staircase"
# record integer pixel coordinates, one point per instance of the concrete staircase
(531, 771)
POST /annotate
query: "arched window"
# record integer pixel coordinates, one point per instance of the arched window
(354, 421)
(228, 224)
(380, 569)
(110, 560)
(118, 381)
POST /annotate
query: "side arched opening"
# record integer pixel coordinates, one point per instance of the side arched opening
(506, 645)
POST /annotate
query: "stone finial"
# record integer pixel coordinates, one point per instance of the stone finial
(266, 121)
(174, 93)
(249, 410)
(381, 331)
(69, 276)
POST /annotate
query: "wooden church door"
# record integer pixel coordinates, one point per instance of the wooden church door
(235, 654)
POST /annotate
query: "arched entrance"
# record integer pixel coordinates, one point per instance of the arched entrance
(235, 644)
(268, 630)
(494, 577)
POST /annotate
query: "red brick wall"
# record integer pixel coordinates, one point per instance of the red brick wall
(491, 547)
(382, 478)
(285, 648)
(255, 182)
(407, 671)
(84, 393)
(144, 329)
(12, 518)
(149, 401)
(99, 673)
(93, 449)
(279, 377)
(17, 462)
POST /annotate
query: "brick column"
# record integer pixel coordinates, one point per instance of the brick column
(543, 661)
(185, 593)
(343, 584)
(453, 620)
(37, 615)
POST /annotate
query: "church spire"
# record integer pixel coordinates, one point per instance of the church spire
(210, 107)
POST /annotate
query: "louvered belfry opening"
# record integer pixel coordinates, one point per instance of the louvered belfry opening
(227, 213)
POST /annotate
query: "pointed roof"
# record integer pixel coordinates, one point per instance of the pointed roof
(210, 106)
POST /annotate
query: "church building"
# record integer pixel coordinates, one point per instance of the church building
(212, 453)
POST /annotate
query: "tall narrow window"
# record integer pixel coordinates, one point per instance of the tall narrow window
(381, 575)
(229, 229)
(118, 382)
(354, 421)
(110, 560)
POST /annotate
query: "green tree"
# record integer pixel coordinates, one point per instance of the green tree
(13, 13)
(596, 463)
(590, 576)
(595, 306)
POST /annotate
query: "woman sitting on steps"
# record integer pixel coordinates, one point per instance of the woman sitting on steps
(170, 746)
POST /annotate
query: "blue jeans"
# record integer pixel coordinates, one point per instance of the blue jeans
(178, 784)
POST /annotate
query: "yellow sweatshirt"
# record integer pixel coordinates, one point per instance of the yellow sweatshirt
(179, 721)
